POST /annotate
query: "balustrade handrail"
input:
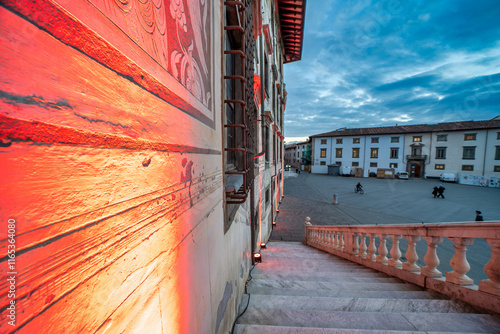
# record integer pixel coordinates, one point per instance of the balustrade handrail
(350, 242)
(474, 230)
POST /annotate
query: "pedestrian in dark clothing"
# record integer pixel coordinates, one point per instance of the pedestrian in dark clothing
(479, 218)
(435, 191)
(440, 191)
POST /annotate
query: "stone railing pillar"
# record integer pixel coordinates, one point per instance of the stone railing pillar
(431, 259)
(342, 241)
(411, 254)
(337, 241)
(372, 250)
(355, 244)
(492, 269)
(396, 252)
(459, 262)
(382, 249)
(307, 233)
(362, 247)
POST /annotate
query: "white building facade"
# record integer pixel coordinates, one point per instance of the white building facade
(471, 150)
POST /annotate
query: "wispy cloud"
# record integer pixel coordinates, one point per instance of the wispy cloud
(376, 63)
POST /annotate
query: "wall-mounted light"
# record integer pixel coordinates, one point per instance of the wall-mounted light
(263, 245)
(257, 257)
(274, 224)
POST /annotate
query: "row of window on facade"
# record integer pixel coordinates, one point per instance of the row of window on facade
(469, 152)
(416, 139)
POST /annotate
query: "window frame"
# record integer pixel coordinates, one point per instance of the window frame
(339, 141)
(441, 149)
(466, 168)
(437, 166)
(322, 153)
(394, 139)
(394, 149)
(374, 153)
(470, 136)
(439, 138)
(356, 140)
(417, 139)
(337, 151)
(355, 149)
(374, 140)
(469, 149)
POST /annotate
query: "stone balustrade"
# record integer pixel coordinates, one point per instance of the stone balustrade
(357, 243)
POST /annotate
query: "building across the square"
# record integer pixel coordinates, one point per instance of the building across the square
(469, 149)
(299, 154)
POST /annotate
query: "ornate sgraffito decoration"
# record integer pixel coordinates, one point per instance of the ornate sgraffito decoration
(176, 34)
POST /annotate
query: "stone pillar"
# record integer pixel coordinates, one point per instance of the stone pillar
(382, 250)
(431, 259)
(396, 252)
(411, 254)
(492, 269)
(459, 262)
(372, 250)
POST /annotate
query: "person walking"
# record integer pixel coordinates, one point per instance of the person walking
(479, 217)
(435, 191)
(440, 191)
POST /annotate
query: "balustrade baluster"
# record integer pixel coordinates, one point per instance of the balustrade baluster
(337, 241)
(355, 247)
(342, 241)
(459, 262)
(411, 254)
(372, 250)
(382, 249)
(363, 248)
(431, 259)
(492, 269)
(396, 252)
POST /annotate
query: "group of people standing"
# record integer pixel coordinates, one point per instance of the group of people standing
(438, 191)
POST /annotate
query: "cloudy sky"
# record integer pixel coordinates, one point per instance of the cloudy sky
(369, 63)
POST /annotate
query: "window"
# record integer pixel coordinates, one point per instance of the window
(373, 164)
(375, 140)
(470, 136)
(440, 152)
(442, 138)
(374, 153)
(393, 165)
(496, 169)
(323, 141)
(323, 153)
(468, 167)
(355, 140)
(394, 152)
(338, 163)
(417, 139)
(355, 152)
(497, 153)
(322, 163)
(469, 152)
(416, 150)
(355, 164)
(394, 139)
(438, 166)
(498, 135)
(339, 141)
(338, 153)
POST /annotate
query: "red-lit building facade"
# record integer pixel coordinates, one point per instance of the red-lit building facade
(141, 155)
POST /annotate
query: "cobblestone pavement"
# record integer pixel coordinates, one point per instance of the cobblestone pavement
(384, 202)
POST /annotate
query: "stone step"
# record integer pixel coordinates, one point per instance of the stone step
(400, 321)
(260, 329)
(341, 271)
(333, 278)
(307, 265)
(351, 285)
(307, 276)
(358, 304)
(270, 291)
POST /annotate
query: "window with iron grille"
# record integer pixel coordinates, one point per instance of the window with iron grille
(393, 165)
(442, 138)
(469, 152)
(438, 166)
(355, 152)
(322, 163)
(373, 164)
(355, 164)
(470, 136)
(468, 167)
(440, 152)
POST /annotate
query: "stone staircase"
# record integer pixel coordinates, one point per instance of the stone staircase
(299, 289)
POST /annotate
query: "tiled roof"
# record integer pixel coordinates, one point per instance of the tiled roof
(418, 128)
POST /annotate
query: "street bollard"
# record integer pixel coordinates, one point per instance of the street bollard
(335, 199)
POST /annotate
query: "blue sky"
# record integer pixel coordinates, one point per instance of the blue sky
(368, 63)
